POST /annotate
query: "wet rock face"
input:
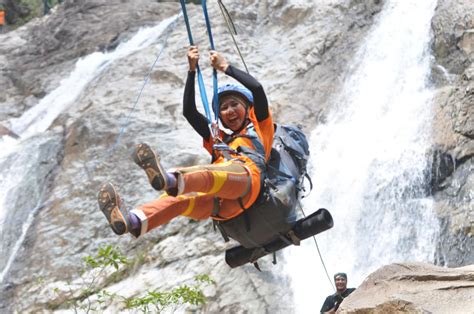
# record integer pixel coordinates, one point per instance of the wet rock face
(453, 178)
(45, 50)
(34, 171)
(33, 179)
(453, 28)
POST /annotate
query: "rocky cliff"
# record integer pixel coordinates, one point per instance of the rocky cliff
(298, 50)
(414, 288)
(453, 47)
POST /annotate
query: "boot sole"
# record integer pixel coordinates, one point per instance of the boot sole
(146, 159)
(109, 203)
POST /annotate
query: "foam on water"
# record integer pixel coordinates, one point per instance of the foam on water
(369, 160)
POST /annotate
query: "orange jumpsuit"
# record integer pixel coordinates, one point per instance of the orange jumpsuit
(221, 190)
(2, 18)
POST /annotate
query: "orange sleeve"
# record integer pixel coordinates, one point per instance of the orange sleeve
(265, 131)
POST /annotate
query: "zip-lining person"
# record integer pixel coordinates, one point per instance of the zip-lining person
(254, 183)
(221, 190)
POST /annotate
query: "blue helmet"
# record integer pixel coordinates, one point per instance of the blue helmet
(235, 89)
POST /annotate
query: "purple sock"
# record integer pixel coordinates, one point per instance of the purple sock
(171, 180)
(135, 224)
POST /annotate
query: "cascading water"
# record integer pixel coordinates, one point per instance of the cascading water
(370, 162)
(19, 198)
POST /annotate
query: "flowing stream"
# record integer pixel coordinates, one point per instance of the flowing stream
(370, 160)
(18, 158)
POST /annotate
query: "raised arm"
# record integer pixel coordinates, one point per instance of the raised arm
(190, 112)
(259, 97)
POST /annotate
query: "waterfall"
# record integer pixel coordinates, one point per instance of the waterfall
(370, 161)
(20, 158)
(40, 117)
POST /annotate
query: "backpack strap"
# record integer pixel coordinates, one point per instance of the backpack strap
(257, 266)
(245, 213)
(306, 175)
(296, 154)
(281, 173)
(216, 224)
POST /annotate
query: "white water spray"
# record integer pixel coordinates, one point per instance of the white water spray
(370, 160)
(38, 119)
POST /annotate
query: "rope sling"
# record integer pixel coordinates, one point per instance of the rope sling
(213, 122)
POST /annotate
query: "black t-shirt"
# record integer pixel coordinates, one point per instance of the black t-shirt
(334, 300)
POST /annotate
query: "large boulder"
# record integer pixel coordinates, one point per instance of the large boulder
(413, 288)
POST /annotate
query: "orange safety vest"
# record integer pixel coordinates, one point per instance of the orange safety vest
(265, 131)
(2, 17)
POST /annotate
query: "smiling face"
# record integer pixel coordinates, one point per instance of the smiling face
(341, 283)
(232, 111)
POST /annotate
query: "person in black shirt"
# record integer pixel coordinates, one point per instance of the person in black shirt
(332, 302)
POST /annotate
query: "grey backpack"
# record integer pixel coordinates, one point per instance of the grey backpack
(273, 214)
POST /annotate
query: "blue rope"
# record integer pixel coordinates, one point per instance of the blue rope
(186, 21)
(214, 72)
(202, 87)
(208, 23)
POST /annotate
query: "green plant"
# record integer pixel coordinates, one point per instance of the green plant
(110, 256)
(106, 256)
(160, 300)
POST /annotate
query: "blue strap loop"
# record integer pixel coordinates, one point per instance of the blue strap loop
(202, 88)
(214, 72)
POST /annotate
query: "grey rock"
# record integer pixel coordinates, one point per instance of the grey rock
(453, 132)
(413, 288)
(6, 131)
(452, 26)
(30, 194)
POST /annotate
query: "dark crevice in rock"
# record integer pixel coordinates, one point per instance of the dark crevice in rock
(456, 287)
(435, 277)
(442, 167)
